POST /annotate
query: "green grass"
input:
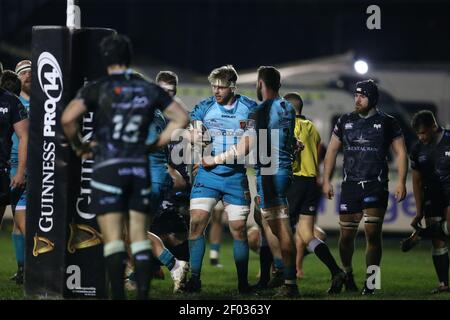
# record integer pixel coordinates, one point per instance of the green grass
(403, 275)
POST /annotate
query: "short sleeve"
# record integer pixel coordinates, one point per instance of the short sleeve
(18, 111)
(394, 129)
(163, 99)
(89, 95)
(337, 130)
(197, 113)
(315, 134)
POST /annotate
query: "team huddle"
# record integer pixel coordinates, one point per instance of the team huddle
(160, 171)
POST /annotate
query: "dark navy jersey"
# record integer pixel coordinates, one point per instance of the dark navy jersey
(423, 158)
(443, 160)
(365, 143)
(124, 106)
(433, 162)
(11, 112)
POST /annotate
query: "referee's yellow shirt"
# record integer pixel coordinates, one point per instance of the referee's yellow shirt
(306, 163)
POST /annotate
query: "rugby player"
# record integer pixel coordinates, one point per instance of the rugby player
(124, 105)
(365, 135)
(225, 115)
(431, 176)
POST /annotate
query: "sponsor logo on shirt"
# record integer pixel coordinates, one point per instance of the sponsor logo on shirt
(361, 140)
(447, 153)
(4, 110)
(377, 126)
(343, 207)
(348, 126)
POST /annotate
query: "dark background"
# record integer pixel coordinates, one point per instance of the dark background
(203, 34)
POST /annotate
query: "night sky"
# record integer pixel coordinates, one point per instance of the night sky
(200, 35)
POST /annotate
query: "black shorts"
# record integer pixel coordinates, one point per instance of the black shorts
(303, 197)
(434, 203)
(121, 187)
(4, 188)
(357, 196)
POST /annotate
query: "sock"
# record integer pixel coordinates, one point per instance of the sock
(142, 255)
(278, 263)
(115, 264)
(155, 265)
(214, 251)
(265, 261)
(19, 247)
(441, 264)
(240, 253)
(167, 258)
(142, 262)
(323, 253)
(181, 251)
(196, 252)
(290, 276)
(116, 261)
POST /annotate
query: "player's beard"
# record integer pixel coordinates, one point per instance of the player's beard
(259, 92)
(225, 100)
(362, 110)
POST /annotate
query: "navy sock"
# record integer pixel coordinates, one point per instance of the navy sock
(115, 264)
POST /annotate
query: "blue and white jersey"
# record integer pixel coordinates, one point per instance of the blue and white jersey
(158, 159)
(277, 116)
(225, 126)
(15, 139)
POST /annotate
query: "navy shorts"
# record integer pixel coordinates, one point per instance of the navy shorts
(357, 196)
(121, 187)
(434, 203)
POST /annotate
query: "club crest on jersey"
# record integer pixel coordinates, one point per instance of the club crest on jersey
(377, 126)
(242, 124)
(348, 126)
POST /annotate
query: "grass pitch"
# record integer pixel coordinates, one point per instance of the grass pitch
(403, 275)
